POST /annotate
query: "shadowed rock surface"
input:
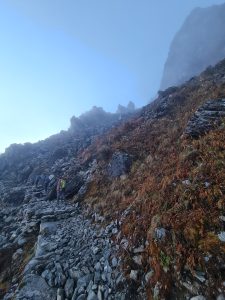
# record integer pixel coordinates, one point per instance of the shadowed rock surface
(209, 116)
(199, 43)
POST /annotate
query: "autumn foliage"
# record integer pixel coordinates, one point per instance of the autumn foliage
(176, 183)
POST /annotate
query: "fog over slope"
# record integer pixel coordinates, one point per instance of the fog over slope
(199, 43)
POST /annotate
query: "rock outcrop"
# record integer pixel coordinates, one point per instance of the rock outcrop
(119, 165)
(209, 116)
(199, 43)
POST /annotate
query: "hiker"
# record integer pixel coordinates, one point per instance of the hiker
(61, 189)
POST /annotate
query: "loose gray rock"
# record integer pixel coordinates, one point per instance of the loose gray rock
(120, 164)
(114, 262)
(134, 275)
(92, 296)
(60, 294)
(69, 287)
(220, 297)
(35, 287)
(207, 117)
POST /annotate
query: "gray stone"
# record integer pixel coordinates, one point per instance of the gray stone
(75, 274)
(99, 295)
(92, 296)
(9, 219)
(199, 297)
(83, 281)
(15, 196)
(139, 249)
(69, 286)
(44, 246)
(60, 294)
(90, 286)
(35, 287)
(134, 275)
(97, 277)
(81, 290)
(60, 279)
(119, 279)
(94, 287)
(160, 233)
(114, 262)
(58, 267)
(156, 290)
(98, 266)
(104, 277)
(138, 259)
(48, 228)
(207, 117)
(81, 297)
(200, 276)
(17, 254)
(48, 276)
(186, 182)
(114, 231)
(107, 267)
(21, 241)
(75, 293)
(221, 236)
(120, 164)
(95, 250)
(222, 218)
(148, 275)
(191, 288)
(31, 265)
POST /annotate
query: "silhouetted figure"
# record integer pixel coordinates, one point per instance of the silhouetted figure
(61, 185)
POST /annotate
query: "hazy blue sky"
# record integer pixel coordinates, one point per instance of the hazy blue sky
(58, 58)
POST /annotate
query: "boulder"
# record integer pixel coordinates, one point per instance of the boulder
(35, 287)
(120, 164)
(69, 286)
(73, 185)
(15, 196)
(207, 117)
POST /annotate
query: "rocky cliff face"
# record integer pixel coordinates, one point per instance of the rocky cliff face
(144, 211)
(199, 43)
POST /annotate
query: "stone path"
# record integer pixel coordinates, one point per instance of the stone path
(73, 259)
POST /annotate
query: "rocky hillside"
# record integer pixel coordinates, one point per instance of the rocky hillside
(21, 163)
(199, 43)
(144, 211)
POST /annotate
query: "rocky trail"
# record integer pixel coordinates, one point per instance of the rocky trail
(52, 251)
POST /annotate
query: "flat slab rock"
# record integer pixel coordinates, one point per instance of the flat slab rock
(35, 287)
(207, 117)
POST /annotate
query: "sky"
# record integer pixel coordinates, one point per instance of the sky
(58, 58)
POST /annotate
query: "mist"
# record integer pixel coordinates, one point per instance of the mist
(60, 58)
